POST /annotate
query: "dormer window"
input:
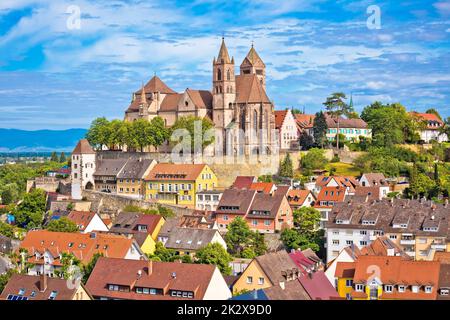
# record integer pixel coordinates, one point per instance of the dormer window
(359, 287)
(428, 289)
(401, 288)
(415, 289)
(388, 288)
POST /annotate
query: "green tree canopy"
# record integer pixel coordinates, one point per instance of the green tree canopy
(98, 134)
(215, 253)
(30, 212)
(189, 123)
(62, 157)
(87, 269)
(313, 160)
(54, 157)
(337, 107)
(10, 193)
(62, 224)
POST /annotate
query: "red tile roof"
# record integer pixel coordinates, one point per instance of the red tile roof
(335, 194)
(318, 286)
(81, 218)
(265, 187)
(279, 118)
(83, 246)
(305, 121)
(83, 147)
(297, 197)
(243, 182)
(250, 90)
(176, 172)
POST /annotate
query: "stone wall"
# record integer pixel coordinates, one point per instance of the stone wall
(110, 205)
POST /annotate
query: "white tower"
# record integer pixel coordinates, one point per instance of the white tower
(83, 168)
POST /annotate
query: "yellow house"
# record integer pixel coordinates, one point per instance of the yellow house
(387, 278)
(130, 180)
(144, 228)
(178, 184)
(266, 271)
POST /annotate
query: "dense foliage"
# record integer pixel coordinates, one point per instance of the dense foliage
(187, 130)
(286, 167)
(243, 242)
(215, 253)
(62, 224)
(313, 160)
(30, 212)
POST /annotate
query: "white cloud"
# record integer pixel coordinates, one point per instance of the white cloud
(443, 7)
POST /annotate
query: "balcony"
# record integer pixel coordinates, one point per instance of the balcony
(407, 241)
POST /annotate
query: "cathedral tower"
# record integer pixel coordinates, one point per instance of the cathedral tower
(224, 88)
(253, 64)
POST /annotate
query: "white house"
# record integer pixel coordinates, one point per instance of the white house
(83, 168)
(87, 221)
(208, 200)
(287, 125)
(432, 129)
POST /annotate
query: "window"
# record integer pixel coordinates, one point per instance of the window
(415, 289)
(336, 232)
(348, 283)
(388, 288)
(428, 289)
(363, 232)
(267, 222)
(363, 243)
(393, 237)
(359, 287)
(349, 242)
(401, 288)
(53, 295)
(249, 279)
(336, 242)
(254, 222)
(225, 218)
(219, 74)
(261, 280)
(21, 292)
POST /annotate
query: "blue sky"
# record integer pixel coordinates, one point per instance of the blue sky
(52, 76)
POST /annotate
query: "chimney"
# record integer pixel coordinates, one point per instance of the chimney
(282, 286)
(150, 267)
(43, 282)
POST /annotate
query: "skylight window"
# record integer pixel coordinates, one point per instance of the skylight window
(53, 295)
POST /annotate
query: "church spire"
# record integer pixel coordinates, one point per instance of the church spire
(223, 56)
(143, 97)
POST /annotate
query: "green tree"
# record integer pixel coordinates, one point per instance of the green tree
(54, 157)
(4, 278)
(10, 193)
(62, 224)
(98, 134)
(30, 212)
(62, 157)
(402, 126)
(189, 123)
(313, 160)
(336, 107)
(158, 131)
(286, 167)
(435, 112)
(292, 239)
(320, 128)
(306, 141)
(420, 184)
(118, 134)
(239, 237)
(163, 254)
(87, 269)
(6, 230)
(68, 264)
(140, 130)
(306, 220)
(215, 253)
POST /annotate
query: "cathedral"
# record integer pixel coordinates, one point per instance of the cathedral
(238, 105)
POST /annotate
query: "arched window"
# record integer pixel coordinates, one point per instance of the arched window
(255, 120)
(219, 74)
(228, 75)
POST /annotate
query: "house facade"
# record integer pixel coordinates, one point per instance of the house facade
(432, 126)
(286, 124)
(178, 184)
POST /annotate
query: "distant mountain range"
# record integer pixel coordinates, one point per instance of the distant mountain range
(15, 140)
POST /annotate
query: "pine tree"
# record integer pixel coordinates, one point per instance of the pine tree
(54, 157)
(62, 157)
(286, 168)
(320, 128)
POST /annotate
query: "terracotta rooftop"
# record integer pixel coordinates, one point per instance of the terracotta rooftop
(38, 288)
(277, 266)
(81, 218)
(264, 187)
(280, 115)
(155, 84)
(243, 182)
(250, 90)
(236, 201)
(175, 172)
(297, 197)
(83, 147)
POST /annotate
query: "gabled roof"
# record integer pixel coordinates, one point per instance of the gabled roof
(383, 246)
(374, 178)
(297, 197)
(264, 187)
(83, 147)
(163, 276)
(109, 167)
(81, 218)
(336, 194)
(276, 265)
(442, 257)
(280, 115)
(128, 222)
(250, 90)
(83, 246)
(190, 238)
(267, 203)
(201, 98)
(318, 287)
(135, 169)
(345, 123)
(239, 199)
(444, 280)
(305, 121)
(40, 286)
(170, 102)
(223, 53)
(175, 172)
(154, 85)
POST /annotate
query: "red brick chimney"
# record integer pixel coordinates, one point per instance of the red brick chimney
(150, 267)
(43, 282)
